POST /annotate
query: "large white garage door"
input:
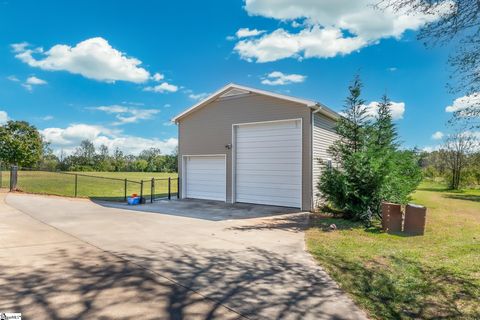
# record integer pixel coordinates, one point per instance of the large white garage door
(269, 163)
(205, 177)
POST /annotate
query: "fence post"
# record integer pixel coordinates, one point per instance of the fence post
(178, 188)
(76, 184)
(125, 188)
(13, 178)
(141, 191)
(169, 189)
(152, 190)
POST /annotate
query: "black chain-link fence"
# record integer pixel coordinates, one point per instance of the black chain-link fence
(72, 184)
(160, 188)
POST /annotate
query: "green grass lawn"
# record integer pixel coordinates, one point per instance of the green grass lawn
(89, 186)
(396, 277)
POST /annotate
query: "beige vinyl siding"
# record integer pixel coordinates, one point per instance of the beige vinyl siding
(209, 129)
(324, 136)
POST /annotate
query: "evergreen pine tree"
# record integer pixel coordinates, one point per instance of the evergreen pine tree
(370, 169)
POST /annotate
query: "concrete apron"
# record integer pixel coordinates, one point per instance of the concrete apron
(83, 260)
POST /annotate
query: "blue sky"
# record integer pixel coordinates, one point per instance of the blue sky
(116, 72)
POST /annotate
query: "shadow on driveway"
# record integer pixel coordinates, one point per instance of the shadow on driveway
(104, 286)
(205, 209)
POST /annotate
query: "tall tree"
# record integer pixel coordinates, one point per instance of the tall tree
(153, 156)
(349, 187)
(118, 160)
(352, 127)
(102, 159)
(458, 147)
(370, 166)
(20, 144)
(385, 131)
(85, 153)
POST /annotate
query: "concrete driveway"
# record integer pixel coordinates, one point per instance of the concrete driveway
(67, 258)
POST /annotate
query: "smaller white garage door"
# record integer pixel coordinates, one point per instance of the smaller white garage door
(205, 177)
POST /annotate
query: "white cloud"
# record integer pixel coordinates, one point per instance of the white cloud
(13, 78)
(35, 81)
(392, 69)
(126, 115)
(432, 148)
(73, 134)
(19, 47)
(167, 105)
(93, 58)
(438, 135)
(464, 102)
(67, 139)
(296, 24)
(133, 103)
(3, 117)
(163, 87)
(29, 83)
(47, 118)
(112, 109)
(397, 109)
(277, 78)
(158, 77)
(246, 32)
(27, 86)
(198, 96)
(331, 28)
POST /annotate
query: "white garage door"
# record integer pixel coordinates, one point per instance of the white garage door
(269, 163)
(205, 177)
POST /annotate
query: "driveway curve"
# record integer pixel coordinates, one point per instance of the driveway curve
(72, 258)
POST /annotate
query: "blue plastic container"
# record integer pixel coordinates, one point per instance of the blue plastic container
(133, 200)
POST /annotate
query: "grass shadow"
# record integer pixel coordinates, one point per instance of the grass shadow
(290, 222)
(324, 222)
(459, 196)
(389, 293)
(433, 189)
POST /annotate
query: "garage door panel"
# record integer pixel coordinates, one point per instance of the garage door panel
(271, 178)
(205, 177)
(267, 144)
(269, 174)
(211, 177)
(198, 189)
(277, 190)
(213, 166)
(267, 167)
(205, 195)
(281, 136)
(269, 163)
(282, 150)
(269, 200)
(286, 164)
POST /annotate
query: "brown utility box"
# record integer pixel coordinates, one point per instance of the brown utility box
(391, 217)
(415, 218)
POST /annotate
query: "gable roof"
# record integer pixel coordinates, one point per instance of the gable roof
(233, 89)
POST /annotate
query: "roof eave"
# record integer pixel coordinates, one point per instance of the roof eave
(309, 103)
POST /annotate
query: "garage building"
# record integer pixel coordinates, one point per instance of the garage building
(248, 145)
